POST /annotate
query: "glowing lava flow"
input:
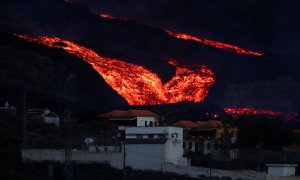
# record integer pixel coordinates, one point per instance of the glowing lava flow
(138, 85)
(236, 112)
(214, 43)
(207, 42)
(107, 16)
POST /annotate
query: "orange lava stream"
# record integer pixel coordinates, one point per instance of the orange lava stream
(236, 112)
(107, 16)
(215, 44)
(208, 42)
(138, 85)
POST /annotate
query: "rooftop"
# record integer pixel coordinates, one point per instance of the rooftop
(129, 114)
(205, 125)
(186, 124)
(208, 124)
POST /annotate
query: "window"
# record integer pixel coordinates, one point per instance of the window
(221, 133)
(146, 123)
(208, 145)
(183, 145)
(150, 136)
(139, 136)
(196, 147)
(161, 135)
(151, 123)
(190, 145)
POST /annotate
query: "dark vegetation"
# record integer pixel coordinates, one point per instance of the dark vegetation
(263, 132)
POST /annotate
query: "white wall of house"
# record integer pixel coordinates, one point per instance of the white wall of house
(132, 131)
(145, 156)
(174, 145)
(146, 121)
(51, 120)
(281, 169)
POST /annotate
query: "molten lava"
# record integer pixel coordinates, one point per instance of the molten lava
(138, 85)
(237, 112)
(207, 42)
(106, 16)
(215, 44)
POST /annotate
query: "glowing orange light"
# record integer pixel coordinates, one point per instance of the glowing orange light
(138, 85)
(236, 112)
(214, 43)
(208, 42)
(106, 16)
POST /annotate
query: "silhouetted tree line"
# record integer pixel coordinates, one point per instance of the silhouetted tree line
(263, 132)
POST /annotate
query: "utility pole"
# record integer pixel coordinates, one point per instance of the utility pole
(124, 156)
(210, 169)
(68, 146)
(23, 116)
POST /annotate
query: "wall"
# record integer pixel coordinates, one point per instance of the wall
(174, 145)
(197, 172)
(141, 121)
(52, 120)
(82, 156)
(145, 156)
(269, 177)
(146, 130)
(281, 169)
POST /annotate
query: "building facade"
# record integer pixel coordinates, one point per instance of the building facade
(157, 145)
(137, 118)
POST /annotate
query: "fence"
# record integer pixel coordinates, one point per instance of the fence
(198, 172)
(114, 159)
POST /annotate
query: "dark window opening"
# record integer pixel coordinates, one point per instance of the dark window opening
(139, 136)
(150, 136)
(151, 123)
(190, 145)
(196, 147)
(208, 145)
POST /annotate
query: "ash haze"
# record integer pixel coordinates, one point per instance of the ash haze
(270, 81)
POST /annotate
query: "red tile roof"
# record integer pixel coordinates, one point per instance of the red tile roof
(143, 113)
(129, 113)
(186, 124)
(209, 124)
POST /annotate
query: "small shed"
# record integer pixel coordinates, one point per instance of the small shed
(281, 169)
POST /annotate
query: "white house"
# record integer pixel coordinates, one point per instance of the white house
(138, 118)
(47, 116)
(152, 147)
(7, 108)
(281, 169)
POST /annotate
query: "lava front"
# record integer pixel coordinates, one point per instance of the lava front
(138, 85)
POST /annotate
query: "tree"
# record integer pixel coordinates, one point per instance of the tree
(262, 132)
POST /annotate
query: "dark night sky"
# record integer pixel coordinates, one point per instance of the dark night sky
(270, 26)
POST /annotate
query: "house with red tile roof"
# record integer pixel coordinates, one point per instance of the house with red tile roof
(200, 136)
(138, 118)
(185, 124)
